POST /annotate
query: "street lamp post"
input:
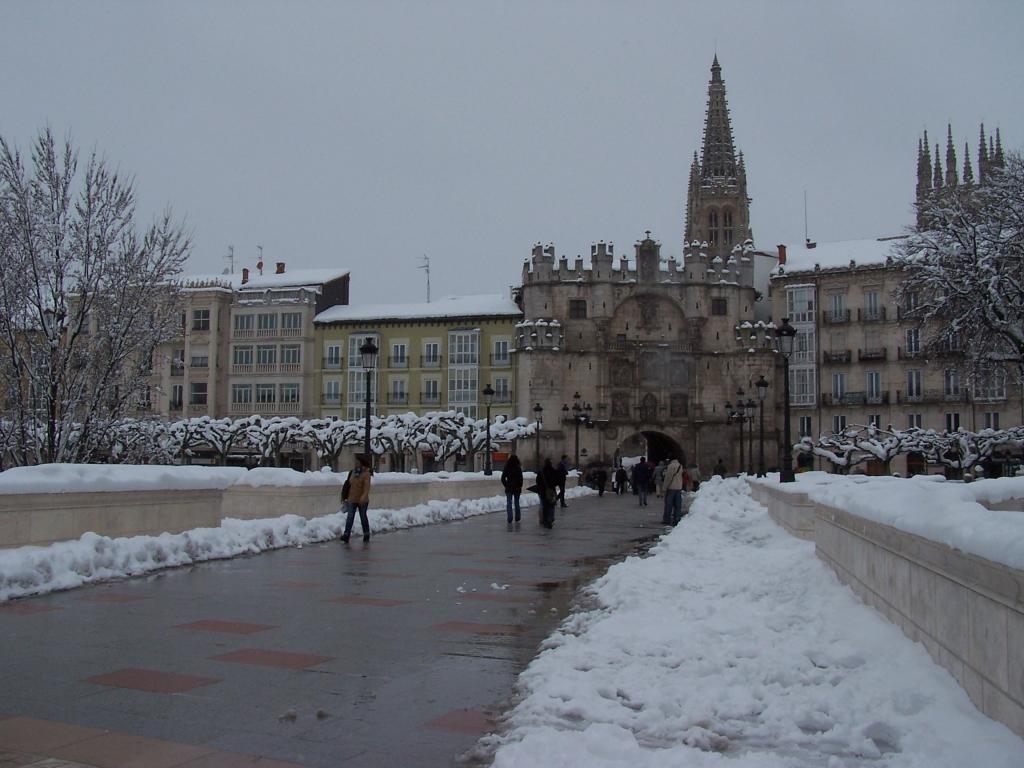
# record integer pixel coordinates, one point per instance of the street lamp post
(488, 399)
(738, 417)
(368, 353)
(538, 417)
(748, 411)
(785, 336)
(762, 393)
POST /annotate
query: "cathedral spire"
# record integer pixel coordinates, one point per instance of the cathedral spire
(718, 157)
(951, 177)
(998, 159)
(968, 173)
(937, 180)
(982, 156)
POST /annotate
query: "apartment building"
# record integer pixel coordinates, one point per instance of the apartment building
(247, 344)
(433, 356)
(860, 359)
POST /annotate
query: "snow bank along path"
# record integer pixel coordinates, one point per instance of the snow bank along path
(34, 570)
(733, 645)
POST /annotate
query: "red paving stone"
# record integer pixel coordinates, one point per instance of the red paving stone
(25, 609)
(281, 659)
(378, 601)
(463, 721)
(26, 734)
(122, 750)
(112, 597)
(152, 681)
(479, 629)
(496, 598)
(229, 627)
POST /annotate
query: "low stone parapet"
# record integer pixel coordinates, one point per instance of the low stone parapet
(967, 611)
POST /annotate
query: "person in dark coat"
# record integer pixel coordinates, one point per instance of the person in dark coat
(719, 468)
(621, 480)
(563, 473)
(642, 480)
(547, 482)
(601, 480)
(512, 481)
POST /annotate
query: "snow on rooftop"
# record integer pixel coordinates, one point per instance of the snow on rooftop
(800, 258)
(288, 279)
(476, 305)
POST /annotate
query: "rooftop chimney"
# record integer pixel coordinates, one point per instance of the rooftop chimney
(245, 275)
(782, 254)
(280, 268)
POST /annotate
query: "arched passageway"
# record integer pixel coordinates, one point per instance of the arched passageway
(654, 445)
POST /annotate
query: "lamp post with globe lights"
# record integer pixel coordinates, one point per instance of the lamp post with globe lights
(368, 357)
(488, 399)
(762, 392)
(785, 338)
(538, 417)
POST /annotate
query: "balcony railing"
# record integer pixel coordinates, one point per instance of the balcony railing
(502, 398)
(291, 367)
(877, 398)
(932, 396)
(908, 354)
(398, 362)
(398, 398)
(177, 370)
(845, 399)
(871, 314)
(835, 316)
(802, 398)
(197, 408)
(430, 362)
(501, 361)
(430, 398)
(242, 333)
(330, 399)
(874, 353)
(175, 405)
(291, 331)
(289, 407)
(989, 396)
(241, 367)
(266, 332)
(266, 367)
(332, 363)
(836, 356)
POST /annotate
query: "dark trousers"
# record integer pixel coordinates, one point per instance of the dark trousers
(673, 507)
(547, 513)
(512, 500)
(561, 493)
(364, 521)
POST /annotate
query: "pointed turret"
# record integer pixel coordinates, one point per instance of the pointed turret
(951, 177)
(937, 176)
(924, 169)
(997, 159)
(968, 173)
(982, 156)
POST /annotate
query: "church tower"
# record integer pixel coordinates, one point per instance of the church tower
(717, 208)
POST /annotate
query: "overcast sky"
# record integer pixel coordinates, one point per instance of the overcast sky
(367, 134)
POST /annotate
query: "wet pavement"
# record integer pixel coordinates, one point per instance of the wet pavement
(402, 651)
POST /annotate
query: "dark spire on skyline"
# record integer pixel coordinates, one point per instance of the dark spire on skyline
(951, 178)
(718, 156)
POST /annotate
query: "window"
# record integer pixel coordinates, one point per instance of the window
(291, 321)
(463, 348)
(266, 323)
(243, 325)
(800, 303)
(241, 356)
(991, 419)
(838, 385)
(872, 341)
(501, 352)
(805, 426)
(838, 423)
(914, 383)
(462, 386)
(291, 354)
(431, 354)
(333, 357)
(712, 227)
(951, 382)
(200, 361)
(875, 420)
(266, 355)
(355, 341)
(991, 385)
(719, 306)
(398, 393)
(197, 393)
(398, 355)
(357, 391)
(872, 305)
(803, 346)
(289, 393)
(332, 391)
(266, 393)
(874, 385)
(182, 320)
(577, 309)
(241, 394)
(913, 336)
(910, 300)
(837, 307)
(502, 393)
(801, 386)
(913, 421)
(727, 227)
(177, 396)
(431, 391)
(952, 422)
(200, 319)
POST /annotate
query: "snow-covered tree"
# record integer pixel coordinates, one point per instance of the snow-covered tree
(223, 435)
(85, 298)
(965, 269)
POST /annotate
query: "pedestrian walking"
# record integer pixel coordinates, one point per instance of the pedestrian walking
(694, 478)
(512, 482)
(358, 497)
(563, 473)
(547, 488)
(601, 479)
(673, 485)
(720, 468)
(659, 477)
(641, 481)
(621, 480)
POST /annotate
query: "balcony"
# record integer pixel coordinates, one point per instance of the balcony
(295, 407)
(266, 367)
(836, 356)
(932, 396)
(398, 398)
(427, 361)
(242, 333)
(332, 399)
(197, 409)
(398, 362)
(465, 358)
(873, 353)
(265, 333)
(502, 398)
(877, 398)
(835, 316)
(871, 314)
(990, 395)
(909, 354)
(177, 368)
(175, 406)
(241, 367)
(291, 367)
(501, 361)
(292, 332)
(845, 399)
(430, 398)
(331, 363)
(802, 398)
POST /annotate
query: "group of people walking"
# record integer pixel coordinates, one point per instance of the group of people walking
(550, 487)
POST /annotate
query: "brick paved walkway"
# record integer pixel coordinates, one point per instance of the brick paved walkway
(400, 652)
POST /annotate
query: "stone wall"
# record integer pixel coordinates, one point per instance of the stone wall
(968, 612)
(43, 518)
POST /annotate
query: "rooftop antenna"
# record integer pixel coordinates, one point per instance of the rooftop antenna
(259, 263)
(231, 259)
(807, 238)
(425, 266)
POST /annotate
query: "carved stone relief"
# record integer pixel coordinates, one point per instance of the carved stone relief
(622, 372)
(620, 405)
(649, 408)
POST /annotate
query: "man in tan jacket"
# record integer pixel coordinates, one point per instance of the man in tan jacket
(673, 484)
(358, 497)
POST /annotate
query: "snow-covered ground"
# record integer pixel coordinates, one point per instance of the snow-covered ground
(733, 645)
(67, 564)
(929, 506)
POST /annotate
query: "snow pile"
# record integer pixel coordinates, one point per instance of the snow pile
(928, 506)
(733, 645)
(86, 478)
(67, 564)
